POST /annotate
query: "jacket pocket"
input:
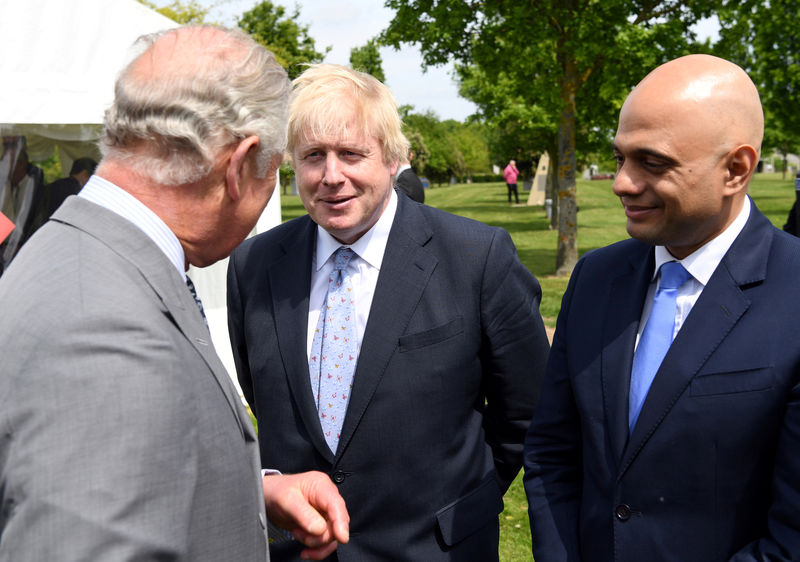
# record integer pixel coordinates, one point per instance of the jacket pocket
(750, 380)
(469, 513)
(432, 336)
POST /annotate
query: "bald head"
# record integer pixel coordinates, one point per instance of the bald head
(711, 95)
(187, 52)
(687, 144)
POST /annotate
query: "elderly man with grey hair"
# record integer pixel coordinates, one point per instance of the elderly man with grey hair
(123, 437)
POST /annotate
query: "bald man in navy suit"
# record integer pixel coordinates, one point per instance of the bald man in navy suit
(705, 469)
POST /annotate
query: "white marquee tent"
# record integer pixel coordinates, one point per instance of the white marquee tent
(60, 61)
(59, 66)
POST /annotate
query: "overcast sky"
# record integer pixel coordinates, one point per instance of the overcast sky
(343, 26)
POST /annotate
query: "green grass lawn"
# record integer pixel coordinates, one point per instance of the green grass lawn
(600, 222)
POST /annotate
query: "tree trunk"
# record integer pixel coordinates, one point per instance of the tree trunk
(567, 255)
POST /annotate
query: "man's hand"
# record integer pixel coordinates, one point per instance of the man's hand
(309, 505)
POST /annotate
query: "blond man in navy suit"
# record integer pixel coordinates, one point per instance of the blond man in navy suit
(451, 345)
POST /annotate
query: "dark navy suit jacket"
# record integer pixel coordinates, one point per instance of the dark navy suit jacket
(409, 183)
(711, 471)
(447, 377)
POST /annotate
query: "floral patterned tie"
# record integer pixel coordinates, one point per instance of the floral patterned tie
(334, 350)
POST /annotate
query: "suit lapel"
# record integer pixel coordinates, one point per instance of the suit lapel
(405, 271)
(160, 274)
(626, 299)
(720, 307)
(183, 309)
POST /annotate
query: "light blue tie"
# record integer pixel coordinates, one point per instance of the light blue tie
(334, 350)
(656, 337)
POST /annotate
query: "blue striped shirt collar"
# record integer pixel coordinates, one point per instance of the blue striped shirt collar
(112, 197)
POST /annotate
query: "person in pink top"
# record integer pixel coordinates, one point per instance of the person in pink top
(510, 175)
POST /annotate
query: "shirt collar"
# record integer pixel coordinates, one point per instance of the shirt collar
(370, 247)
(112, 197)
(704, 261)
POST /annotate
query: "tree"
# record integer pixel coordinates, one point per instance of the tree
(762, 38)
(428, 127)
(185, 13)
(289, 41)
(445, 149)
(421, 153)
(516, 130)
(471, 152)
(573, 60)
(368, 59)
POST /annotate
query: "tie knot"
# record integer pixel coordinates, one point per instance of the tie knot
(673, 275)
(341, 258)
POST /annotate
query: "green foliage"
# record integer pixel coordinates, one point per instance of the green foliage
(368, 59)
(271, 26)
(446, 148)
(420, 155)
(762, 37)
(285, 174)
(548, 76)
(185, 13)
(51, 167)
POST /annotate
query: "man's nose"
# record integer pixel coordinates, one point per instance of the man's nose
(626, 181)
(333, 169)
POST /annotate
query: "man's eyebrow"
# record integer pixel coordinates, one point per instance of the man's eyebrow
(644, 153)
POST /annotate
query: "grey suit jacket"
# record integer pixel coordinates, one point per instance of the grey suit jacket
(122, 436)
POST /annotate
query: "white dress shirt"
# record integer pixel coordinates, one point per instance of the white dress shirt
(364, 268)
(109, 196)
(701, 264)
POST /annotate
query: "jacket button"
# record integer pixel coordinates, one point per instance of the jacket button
(338, 477)
(623, 512)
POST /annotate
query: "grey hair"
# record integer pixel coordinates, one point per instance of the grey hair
(170, 126)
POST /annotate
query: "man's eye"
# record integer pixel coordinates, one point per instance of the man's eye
(653, 164)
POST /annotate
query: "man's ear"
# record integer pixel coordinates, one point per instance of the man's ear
(742, 162)
(236, 165)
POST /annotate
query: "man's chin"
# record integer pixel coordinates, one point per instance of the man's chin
(643, 234)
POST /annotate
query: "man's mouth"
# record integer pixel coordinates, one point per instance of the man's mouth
(337, 201)
(638, 211)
